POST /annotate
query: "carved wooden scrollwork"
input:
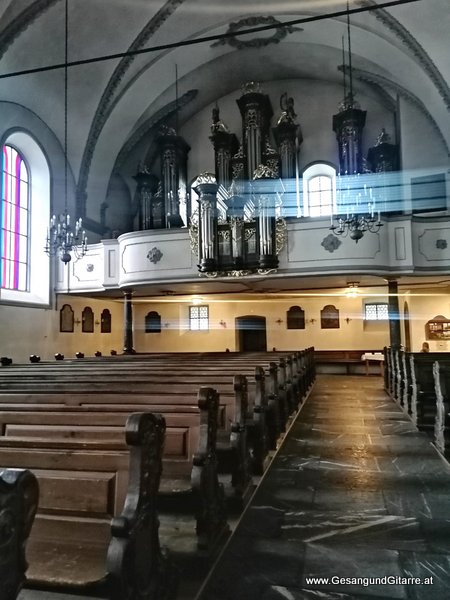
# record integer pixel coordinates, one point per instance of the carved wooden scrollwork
(19, 494)
(138, 569)
(209, 494)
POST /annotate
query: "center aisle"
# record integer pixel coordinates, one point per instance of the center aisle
(354, 492)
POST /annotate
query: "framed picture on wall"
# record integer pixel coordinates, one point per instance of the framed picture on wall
(66, 319)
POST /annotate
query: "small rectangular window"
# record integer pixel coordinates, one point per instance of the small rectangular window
(377, 311)
(199, 318)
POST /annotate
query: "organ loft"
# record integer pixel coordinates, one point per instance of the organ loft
(224, 314)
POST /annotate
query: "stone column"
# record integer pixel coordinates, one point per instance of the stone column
(128, 322)
(394, 314)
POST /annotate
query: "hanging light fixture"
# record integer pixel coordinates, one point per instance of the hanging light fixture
(63, 238)
(354, 197)
(352, 289)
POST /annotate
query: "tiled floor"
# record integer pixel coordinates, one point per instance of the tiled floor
(354, 494)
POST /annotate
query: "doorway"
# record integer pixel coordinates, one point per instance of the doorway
(251, 334)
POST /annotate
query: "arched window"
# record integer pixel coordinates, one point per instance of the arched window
(15, 221)
(295, 318)
(319, 190)
(87, 320)
(24, 217)
(105, 321)
(152, 322)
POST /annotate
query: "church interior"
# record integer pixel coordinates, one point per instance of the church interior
(189, 178)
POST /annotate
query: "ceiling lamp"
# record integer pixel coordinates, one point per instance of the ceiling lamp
(63, 238)
(352, 289)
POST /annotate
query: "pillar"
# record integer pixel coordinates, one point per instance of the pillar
(394, 314)
(128, 322)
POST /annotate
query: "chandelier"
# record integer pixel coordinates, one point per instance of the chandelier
(359, 203)
(355, 226)
(63, 238)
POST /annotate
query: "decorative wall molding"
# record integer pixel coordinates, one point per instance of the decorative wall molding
(22, 21)
(154, 255)
(400, 243)
(107, 100)
(432, 244)
(258, 42)
(331, 242)
(413, 46)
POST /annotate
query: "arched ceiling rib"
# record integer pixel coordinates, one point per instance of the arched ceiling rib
(103, 110)
(18, 23)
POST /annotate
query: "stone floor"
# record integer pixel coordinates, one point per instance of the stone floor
(356, 505)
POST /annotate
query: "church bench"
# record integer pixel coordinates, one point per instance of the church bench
(233, 449)
(82, 487)
(441, 375)
(186, 433)
(423, 395)
(282, 386)
(268, 411)
(263, 412)
(19, 495)
(292, 367)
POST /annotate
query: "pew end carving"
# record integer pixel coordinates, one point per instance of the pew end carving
(137, 567)
(19, 495)
(208, 492)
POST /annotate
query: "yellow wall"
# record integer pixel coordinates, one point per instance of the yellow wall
(26, 331)
(176, 336)
(422, 309)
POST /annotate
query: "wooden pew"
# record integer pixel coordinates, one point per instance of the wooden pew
(423, 396)
(185, 425)
(234, 452)
(79, 426)
(262, 409)
(19, 495)
(83, 486)
(265, 420)
(441, 375)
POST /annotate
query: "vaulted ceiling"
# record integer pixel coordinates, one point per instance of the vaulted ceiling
(402, 50)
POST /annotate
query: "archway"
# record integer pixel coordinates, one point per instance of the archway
(251, 334)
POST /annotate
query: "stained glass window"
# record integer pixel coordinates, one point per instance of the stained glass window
(15, 221)
(198, 318)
